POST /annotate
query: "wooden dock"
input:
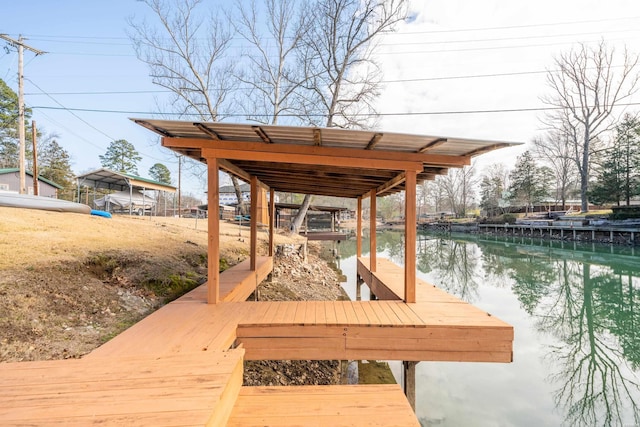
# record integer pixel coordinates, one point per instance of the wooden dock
(564, 231)
(180, 362)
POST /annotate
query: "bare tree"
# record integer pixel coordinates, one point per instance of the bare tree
(493, 185)
(272, 72)
(188, 56)
(337, 55)
(586, 88)
(555, 150)
(459, 187)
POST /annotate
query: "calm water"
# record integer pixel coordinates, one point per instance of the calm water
(576, 314)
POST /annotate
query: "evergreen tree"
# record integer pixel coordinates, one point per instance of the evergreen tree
(529, 183)
(160, 173)
(121, 156)
(618, 178)
(55, 165)
(9, 148)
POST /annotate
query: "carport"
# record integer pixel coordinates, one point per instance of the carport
(120, 181)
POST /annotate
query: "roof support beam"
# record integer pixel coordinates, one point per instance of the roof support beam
(317, 137)
(374, 140)
(262, 134)
(391, 183)
(361, 156)
(432, 144)
(213, 134)
(229, 167)
(486, 149)
(326, 158)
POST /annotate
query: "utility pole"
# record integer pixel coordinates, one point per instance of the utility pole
(21, 134)
(35, 158)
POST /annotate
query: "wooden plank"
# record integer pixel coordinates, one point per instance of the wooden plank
(430, 356)
(370, 312)
(377, 405)
(321, 312)
(350, 313)
(171, 390)
(385, 307)
(428, 344)
(341, 316)
(360, 313)
(293, 330)
(301, 310)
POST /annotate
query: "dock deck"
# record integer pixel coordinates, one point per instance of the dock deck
(437, 327)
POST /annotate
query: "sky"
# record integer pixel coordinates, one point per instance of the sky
(457, 68)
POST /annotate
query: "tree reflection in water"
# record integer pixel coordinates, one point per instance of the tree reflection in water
(585, 301)
(591, 310)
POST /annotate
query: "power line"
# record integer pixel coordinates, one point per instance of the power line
(423, 113)
(512, 27)
(71, 111)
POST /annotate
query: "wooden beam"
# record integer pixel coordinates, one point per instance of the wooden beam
(317, 137)
(410, 238)
(374, 141)
(351, 153)
(359, 228)
(432, 144)
(234, 170)
(482, 150)
(372, 231)
(213, 221)
(329, 159)
(272, 219)
(399, 179)
(262, 134)
(212, 133)
(253, 247)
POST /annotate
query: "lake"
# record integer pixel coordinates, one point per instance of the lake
(576, 314)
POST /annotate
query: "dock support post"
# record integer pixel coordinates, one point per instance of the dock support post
(272, 215)
(359, 228)
(410, 237)
(372, 231)
(253, 250)
(213, 246)
(410, 382)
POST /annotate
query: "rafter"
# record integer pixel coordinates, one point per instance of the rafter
(262, 134)
(432, 144)
(374, 140)
(317, 137)
(212, 133)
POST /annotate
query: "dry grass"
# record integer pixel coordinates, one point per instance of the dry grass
(31, 236)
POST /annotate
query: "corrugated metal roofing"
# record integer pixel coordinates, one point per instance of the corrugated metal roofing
(337, 181)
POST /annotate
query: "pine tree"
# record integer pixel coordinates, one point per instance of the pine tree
(121, 156)
(160, 173)
(55, 165)
(529, 183)
(618, 178)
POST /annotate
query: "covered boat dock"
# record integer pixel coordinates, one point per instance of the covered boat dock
(411, 321)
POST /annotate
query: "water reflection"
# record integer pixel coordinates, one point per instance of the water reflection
(582, 304)
(589, 307)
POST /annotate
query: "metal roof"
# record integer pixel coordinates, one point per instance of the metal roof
(112, 180)
(282, 157)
